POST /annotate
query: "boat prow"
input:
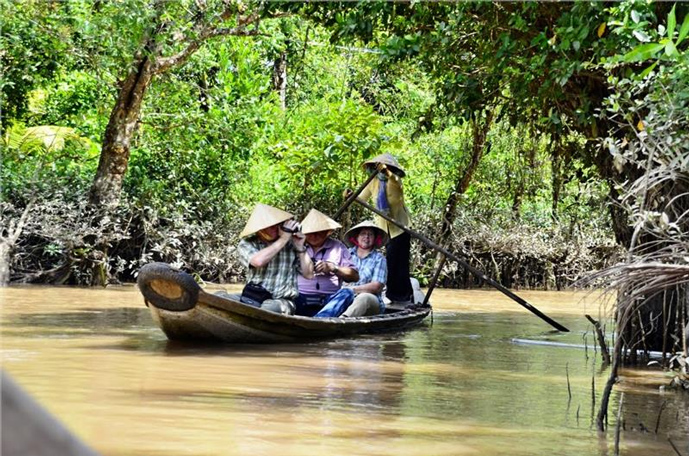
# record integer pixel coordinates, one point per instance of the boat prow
(184, 311)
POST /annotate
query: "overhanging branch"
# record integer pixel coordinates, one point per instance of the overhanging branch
(165, 63)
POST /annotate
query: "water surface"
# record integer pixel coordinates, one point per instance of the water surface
(458, 385)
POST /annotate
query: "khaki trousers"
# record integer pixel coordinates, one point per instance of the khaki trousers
(364, 304)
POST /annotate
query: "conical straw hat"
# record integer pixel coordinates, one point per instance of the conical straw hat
(262, 217)
(387, 159)
(316, 221)
(381, 235)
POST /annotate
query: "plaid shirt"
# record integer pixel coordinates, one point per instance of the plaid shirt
(279, 276)
(372, 268)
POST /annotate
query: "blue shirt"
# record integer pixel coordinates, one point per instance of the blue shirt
(372, 268)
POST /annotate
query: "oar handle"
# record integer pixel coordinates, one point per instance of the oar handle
(350, 199)
(472, 269)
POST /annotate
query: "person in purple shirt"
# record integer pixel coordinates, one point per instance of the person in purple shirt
(323, 295)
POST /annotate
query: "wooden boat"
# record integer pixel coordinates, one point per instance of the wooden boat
(184, 311)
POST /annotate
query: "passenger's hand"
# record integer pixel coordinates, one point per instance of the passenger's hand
(298, 240)
(288, 229)
(284, 235)
(291, 226)
(325, 267)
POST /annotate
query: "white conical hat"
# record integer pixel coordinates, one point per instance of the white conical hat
(387, 159)
(262, 217)
(381, 237)
(316, 221)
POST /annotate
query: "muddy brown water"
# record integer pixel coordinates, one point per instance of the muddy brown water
(458, 385)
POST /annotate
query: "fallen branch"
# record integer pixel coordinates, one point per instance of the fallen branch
(660, 413)
(675, 448)
(601, 339)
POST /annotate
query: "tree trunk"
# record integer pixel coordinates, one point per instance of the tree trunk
(5, 251)
(657, 324)
(517, 199)
(114, 157)
(556, 174)
(479, 132)
(8, 238)
(279, 78)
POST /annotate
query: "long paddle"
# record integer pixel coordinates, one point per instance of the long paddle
(350, 199)
(472, 269)
(434, 280)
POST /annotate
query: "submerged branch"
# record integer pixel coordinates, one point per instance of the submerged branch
(601, 340)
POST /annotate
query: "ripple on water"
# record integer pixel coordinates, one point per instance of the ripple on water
(456, 386)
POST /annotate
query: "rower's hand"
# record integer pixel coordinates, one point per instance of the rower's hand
(347, 193)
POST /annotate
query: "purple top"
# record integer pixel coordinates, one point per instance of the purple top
(333, 251)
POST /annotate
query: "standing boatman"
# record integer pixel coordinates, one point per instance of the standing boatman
(387, 194)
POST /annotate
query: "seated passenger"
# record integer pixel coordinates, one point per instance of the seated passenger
(373, 270)
(273, 251)
(323, 295)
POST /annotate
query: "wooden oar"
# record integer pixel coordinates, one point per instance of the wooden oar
(472, 269)
(350, 199)
(434, 280)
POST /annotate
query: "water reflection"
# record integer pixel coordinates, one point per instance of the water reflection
(460, 386)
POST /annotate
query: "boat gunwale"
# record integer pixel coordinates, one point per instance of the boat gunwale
(230, 305)
(184, 310)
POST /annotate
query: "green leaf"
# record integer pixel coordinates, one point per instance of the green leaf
(671, 50)
(648, 70)
(635, 16)
(684, 30)
(641, 36)
(671, 22)
(643, 52)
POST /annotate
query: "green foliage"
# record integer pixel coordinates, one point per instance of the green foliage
(35, 44)
(213, 139)
(663, 48)
(321, 145)
(41, 159)
(75, 100)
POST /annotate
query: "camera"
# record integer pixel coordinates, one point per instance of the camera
(295, 229)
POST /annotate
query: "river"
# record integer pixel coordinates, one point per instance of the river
(459, 385)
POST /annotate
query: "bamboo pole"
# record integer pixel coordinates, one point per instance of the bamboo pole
(352, 196)
(431, 285)
(472, 269)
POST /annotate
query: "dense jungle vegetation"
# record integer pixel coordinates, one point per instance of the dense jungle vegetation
(146, 130)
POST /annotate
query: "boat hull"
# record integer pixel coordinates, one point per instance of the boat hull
(185, 312)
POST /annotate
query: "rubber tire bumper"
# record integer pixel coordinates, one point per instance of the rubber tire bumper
(181, 290)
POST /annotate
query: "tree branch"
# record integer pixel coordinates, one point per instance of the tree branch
(601, 339)
(165, 63)
(16, 230)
